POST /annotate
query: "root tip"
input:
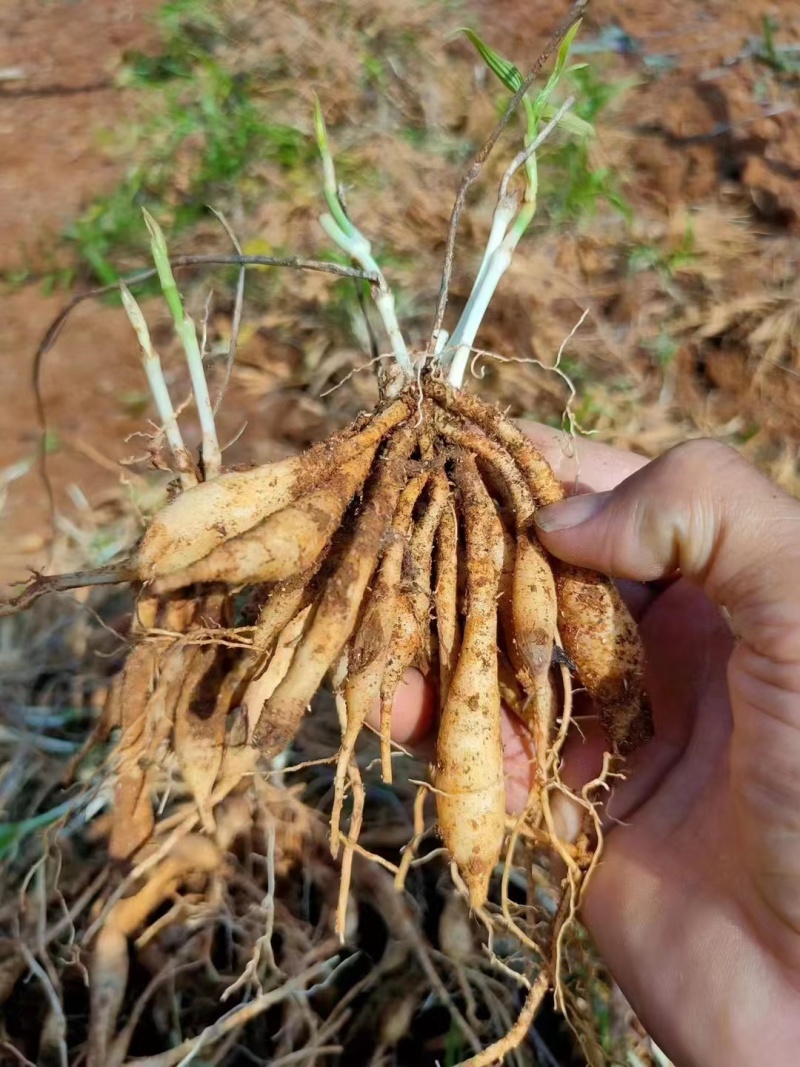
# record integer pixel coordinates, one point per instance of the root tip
(478, 888)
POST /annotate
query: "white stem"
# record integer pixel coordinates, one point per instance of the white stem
(384, 302)
(522, 157)
(503, 216)
(356, 245)
(496, 268)
(212, 456)
(497, 257)
(358, 248)
(441, 340)
(158, 387)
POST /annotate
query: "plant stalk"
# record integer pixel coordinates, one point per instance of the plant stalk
(185, 327)
(498, 255)
(344, 233)
(158, 387)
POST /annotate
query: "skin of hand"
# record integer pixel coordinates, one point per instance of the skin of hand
(695, 904)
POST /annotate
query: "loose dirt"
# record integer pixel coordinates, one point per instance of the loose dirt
(58, 97)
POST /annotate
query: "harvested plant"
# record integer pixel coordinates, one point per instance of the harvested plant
(405, 541)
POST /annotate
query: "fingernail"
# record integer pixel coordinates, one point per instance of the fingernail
(570, 512)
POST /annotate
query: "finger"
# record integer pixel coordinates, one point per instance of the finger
(413, 709)
(413, 714)
(702, 511)
(586, 466)
(519, 762)
(583, 465)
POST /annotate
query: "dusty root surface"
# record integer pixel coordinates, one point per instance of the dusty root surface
(351, 556)
(212, 867)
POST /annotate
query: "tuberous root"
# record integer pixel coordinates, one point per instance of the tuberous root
(406, 541)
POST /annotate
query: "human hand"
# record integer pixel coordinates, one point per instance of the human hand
(696, 902)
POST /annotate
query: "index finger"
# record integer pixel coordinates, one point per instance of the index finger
(586, 466)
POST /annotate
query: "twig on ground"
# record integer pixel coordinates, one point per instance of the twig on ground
(53, 999)
(15, 1052)
(187, 1050)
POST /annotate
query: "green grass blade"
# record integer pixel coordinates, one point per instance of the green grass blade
(158, 246)
(509, 75)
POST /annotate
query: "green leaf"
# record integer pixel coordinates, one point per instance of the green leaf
(160, 253)
(329, 186)
(505, 70)
(569, 122)
(544, 94)
(566, 45)
(512, 79)
(320, 133)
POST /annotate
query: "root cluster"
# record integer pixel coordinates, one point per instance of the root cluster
(406, 541)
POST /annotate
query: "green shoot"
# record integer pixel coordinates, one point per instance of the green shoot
(185, 327)
(343, 233)
(535, 113)
(329, 185)
(496, 263)
(537, 110)
(158, 387)
(509, 224)
(158, 247)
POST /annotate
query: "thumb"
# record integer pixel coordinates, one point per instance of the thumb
(701, 510)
